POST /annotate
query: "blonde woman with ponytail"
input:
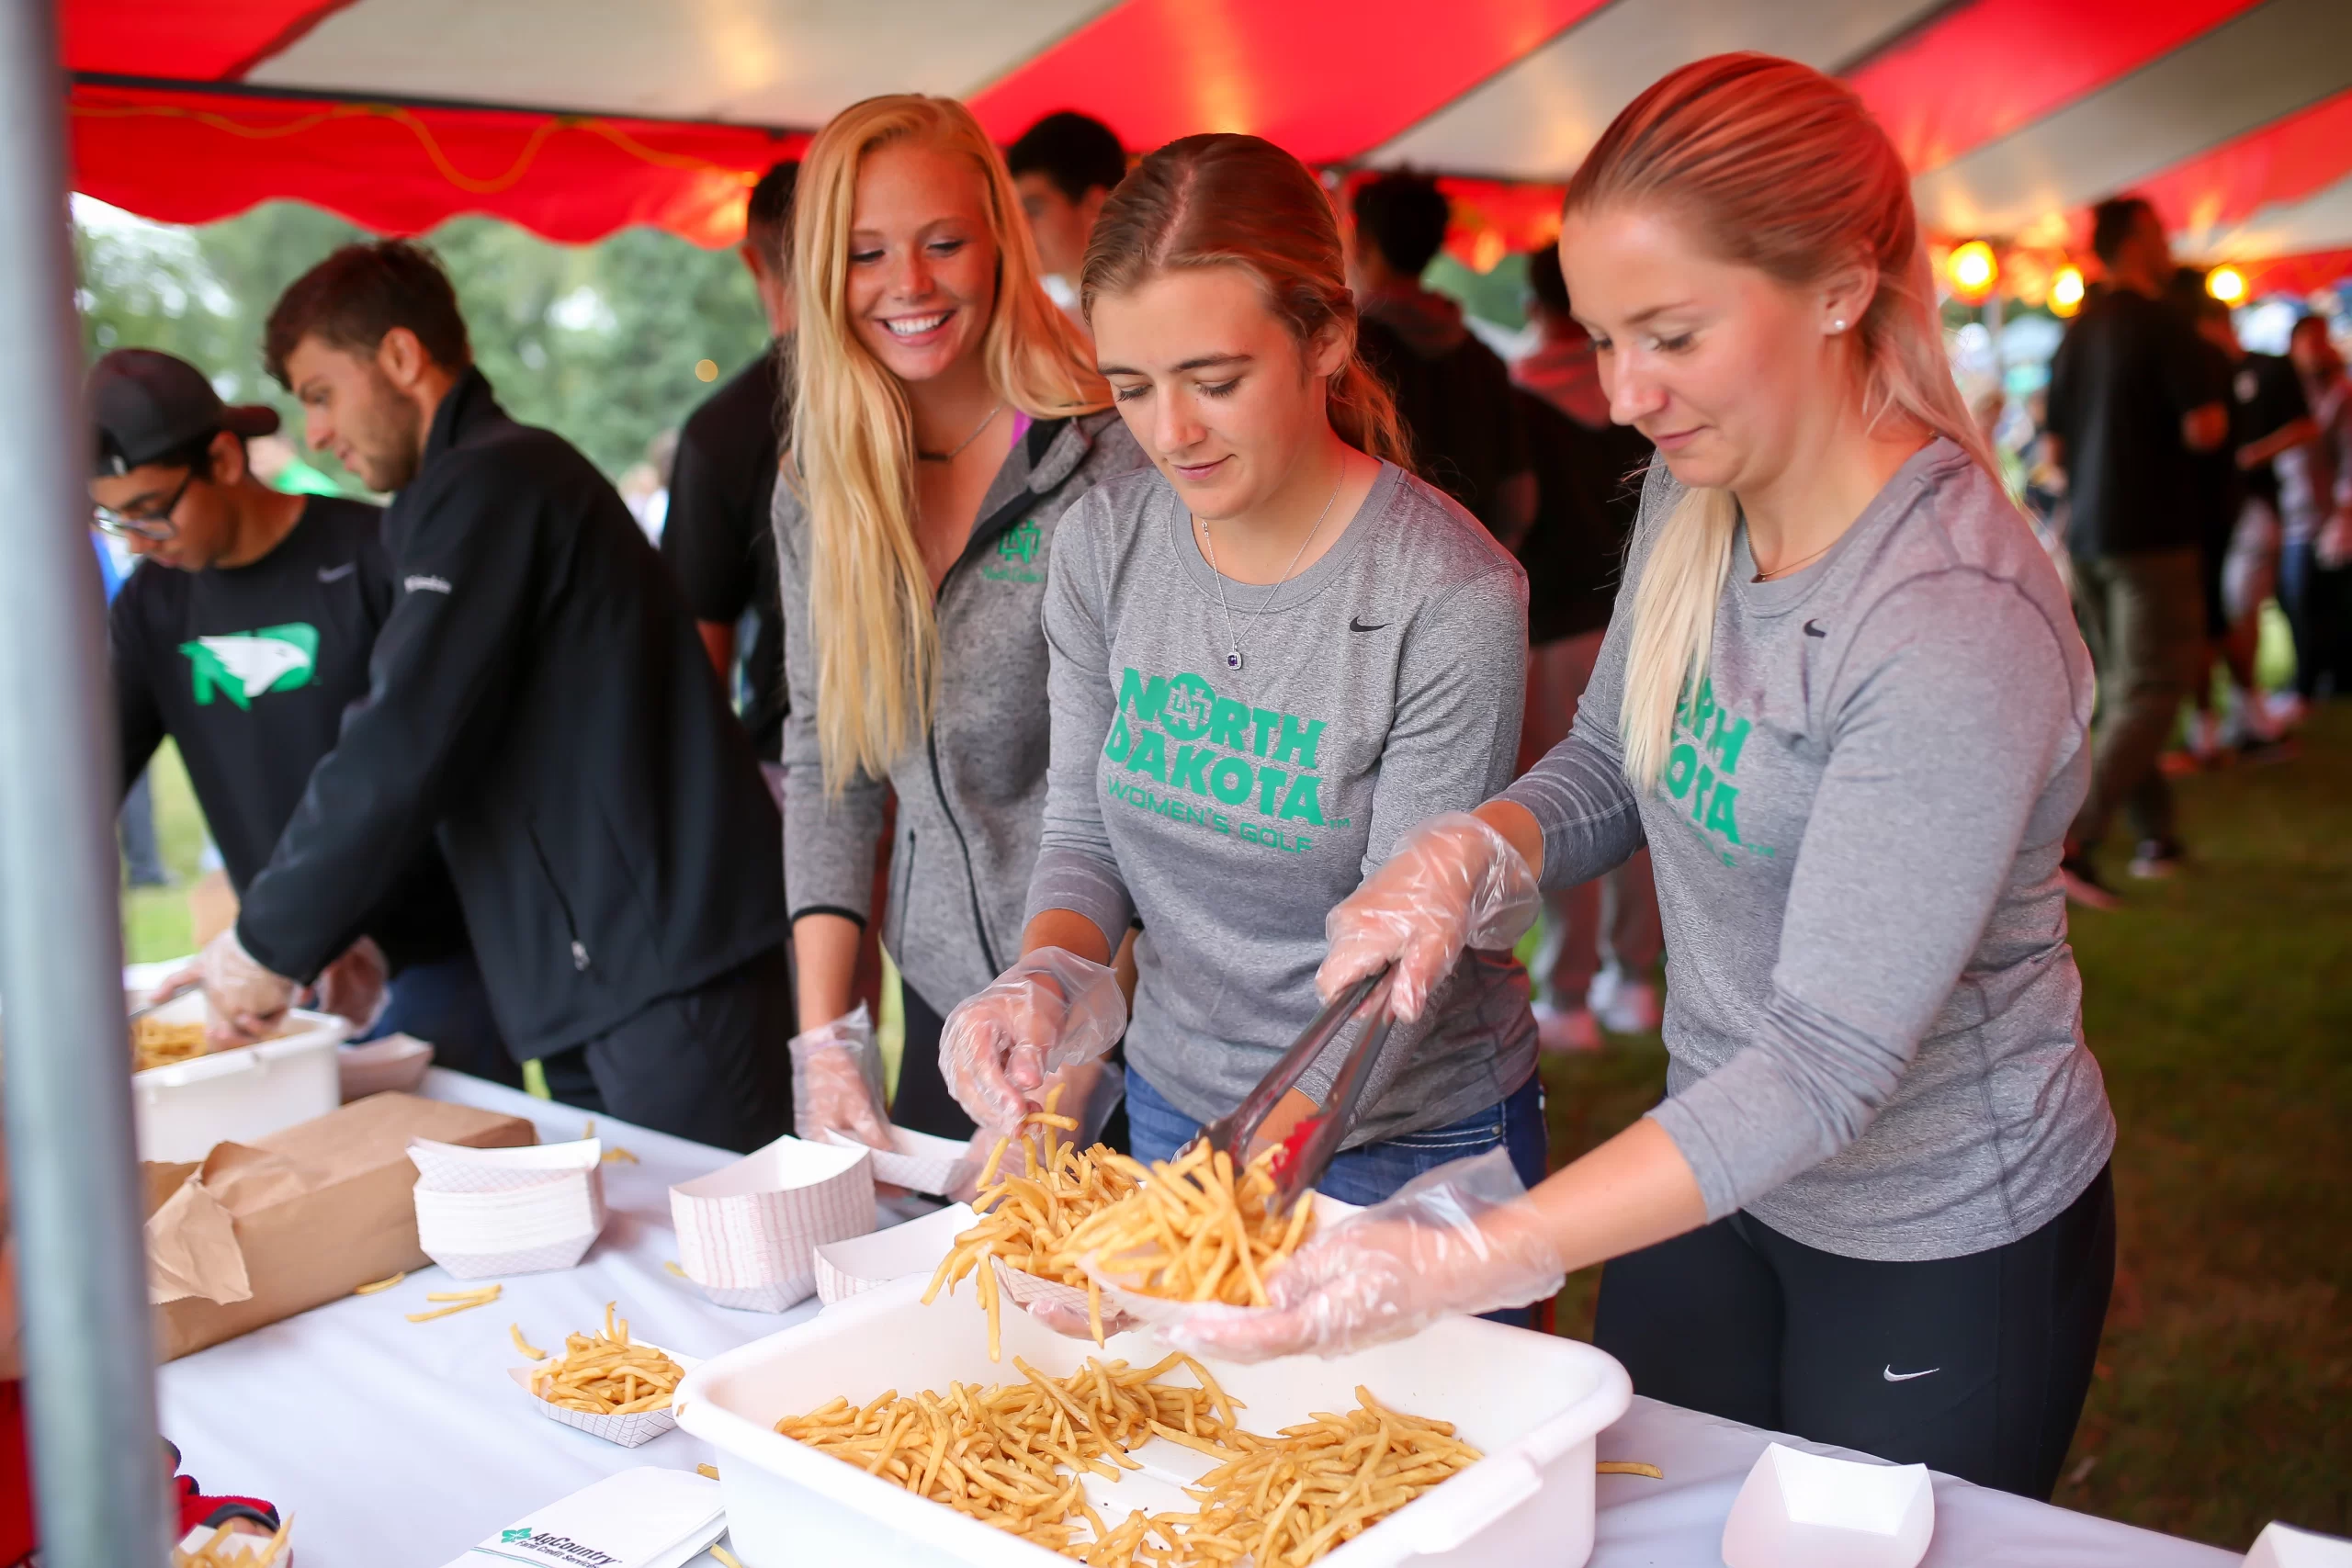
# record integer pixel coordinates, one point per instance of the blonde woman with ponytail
(1843, 702)
(945, 415)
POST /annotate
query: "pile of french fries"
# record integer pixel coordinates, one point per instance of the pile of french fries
(1026, 1217)
(605, 1374)
(156, 1043)
(1194, 1229)
(1016, 1456)
(225, 1549)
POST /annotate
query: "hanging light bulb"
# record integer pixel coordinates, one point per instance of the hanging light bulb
(2226, 284)
(2066, 292)
(1973, 269)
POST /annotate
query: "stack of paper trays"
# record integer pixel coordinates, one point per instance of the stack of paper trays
(485, 1211)
(844, 1268)
(748, 1232)
(919, 1162)
(639, 1518)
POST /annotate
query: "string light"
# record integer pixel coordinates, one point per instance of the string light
(2226, 284)
(1973, 269)
(2067, 291)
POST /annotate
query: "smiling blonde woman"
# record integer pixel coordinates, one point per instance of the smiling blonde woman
(946, 416)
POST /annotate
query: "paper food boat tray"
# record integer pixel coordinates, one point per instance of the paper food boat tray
(916, 1161)
(629, 1431)
(846, 1268)
(514, 1211)
(748, 1232)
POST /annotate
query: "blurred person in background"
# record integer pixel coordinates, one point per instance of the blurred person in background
(1602, 939)
(717, 537)
(946, 416)
(244, 637)
(142, 855)
(538, 705)
(1451, 391)
(2315, 499)
(1844, 701)
(2239, 551)
(1065, 166)
(2132, 400)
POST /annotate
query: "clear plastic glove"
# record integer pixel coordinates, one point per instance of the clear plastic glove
(248, 1001)
(1457, 1239)
(353, 987)
(1452, 883)
(837, 1081)
(1050, 1010)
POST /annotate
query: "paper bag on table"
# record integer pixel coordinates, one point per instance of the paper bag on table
(259, 1232)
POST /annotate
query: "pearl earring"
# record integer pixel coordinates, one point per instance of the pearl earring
(1837, 325)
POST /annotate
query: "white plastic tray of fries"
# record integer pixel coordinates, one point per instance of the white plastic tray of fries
(605, 1383)
(186, 1097)
(1531, 1403)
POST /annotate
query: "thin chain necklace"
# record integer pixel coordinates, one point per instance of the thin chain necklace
(1233, 658)
(1784, 571)
(985, 420)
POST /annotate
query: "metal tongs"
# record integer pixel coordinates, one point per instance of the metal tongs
(164, 998)
(1302, 1159)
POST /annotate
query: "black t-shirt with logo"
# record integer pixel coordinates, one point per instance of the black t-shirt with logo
(250, 669)
(716, 534)
(2266, 397)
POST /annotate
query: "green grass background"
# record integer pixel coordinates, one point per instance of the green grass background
(2220, 1006)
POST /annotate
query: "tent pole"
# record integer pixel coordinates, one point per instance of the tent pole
(74, 1182)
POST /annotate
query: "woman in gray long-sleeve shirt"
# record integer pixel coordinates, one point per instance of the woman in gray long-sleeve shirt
(1843, 702)
(1271, 656)
(945, 418)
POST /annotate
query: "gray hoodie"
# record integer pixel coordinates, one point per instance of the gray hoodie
(972, 794)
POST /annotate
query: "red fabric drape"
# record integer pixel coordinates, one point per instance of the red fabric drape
(188, 157)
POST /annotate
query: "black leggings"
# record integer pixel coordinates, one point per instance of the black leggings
(1975, 1366)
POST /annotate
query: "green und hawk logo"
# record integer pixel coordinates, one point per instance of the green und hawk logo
(245, 665)
(1016, 554)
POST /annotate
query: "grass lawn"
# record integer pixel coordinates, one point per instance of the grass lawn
(155, 921)
(2220, 1006)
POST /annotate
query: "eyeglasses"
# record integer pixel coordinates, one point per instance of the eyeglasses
(153, 527)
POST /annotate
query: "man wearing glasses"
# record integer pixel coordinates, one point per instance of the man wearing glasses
(247, 651)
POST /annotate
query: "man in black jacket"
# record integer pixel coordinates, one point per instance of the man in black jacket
(539, 701)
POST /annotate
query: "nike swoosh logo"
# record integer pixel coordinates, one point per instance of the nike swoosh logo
(1355, 623)
(1812, 629)
(1893, 1376)
(337, 573)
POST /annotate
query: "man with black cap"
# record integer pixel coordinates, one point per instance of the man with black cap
(247, 651)
(539, 702)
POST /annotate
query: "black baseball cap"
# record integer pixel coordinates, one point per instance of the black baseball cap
(148, 404)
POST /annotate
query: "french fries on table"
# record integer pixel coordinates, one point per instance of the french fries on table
(605, 1374)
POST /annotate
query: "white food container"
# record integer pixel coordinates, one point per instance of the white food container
(185, 1108)
(633, 1430)
(1802, 1510)
(748, 1232)
(396, 1062)
(481, 1213)
(1531, 1401)
(845, 1269)
(920, 1162)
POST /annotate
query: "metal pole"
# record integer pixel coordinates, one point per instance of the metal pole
(74, 1185)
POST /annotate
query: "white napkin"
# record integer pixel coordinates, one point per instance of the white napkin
(646, 1517)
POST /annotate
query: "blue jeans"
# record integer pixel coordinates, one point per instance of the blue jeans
(1371, 1173)
(446, 1004)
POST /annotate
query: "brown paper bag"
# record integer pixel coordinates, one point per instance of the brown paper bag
(259, 1232)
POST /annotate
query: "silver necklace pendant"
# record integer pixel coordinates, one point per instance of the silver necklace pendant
(1233, 660)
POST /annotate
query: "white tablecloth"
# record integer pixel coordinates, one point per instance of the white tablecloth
(399, 1445)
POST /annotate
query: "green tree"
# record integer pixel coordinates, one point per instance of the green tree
(597, 343)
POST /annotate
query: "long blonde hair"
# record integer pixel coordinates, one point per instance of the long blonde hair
(1224, 200)
(1776, 166)
(870, 616)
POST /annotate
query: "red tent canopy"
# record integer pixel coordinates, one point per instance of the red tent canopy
(578, 117)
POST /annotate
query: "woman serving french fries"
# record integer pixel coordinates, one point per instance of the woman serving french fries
(1844, 703)
(1269, 657)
